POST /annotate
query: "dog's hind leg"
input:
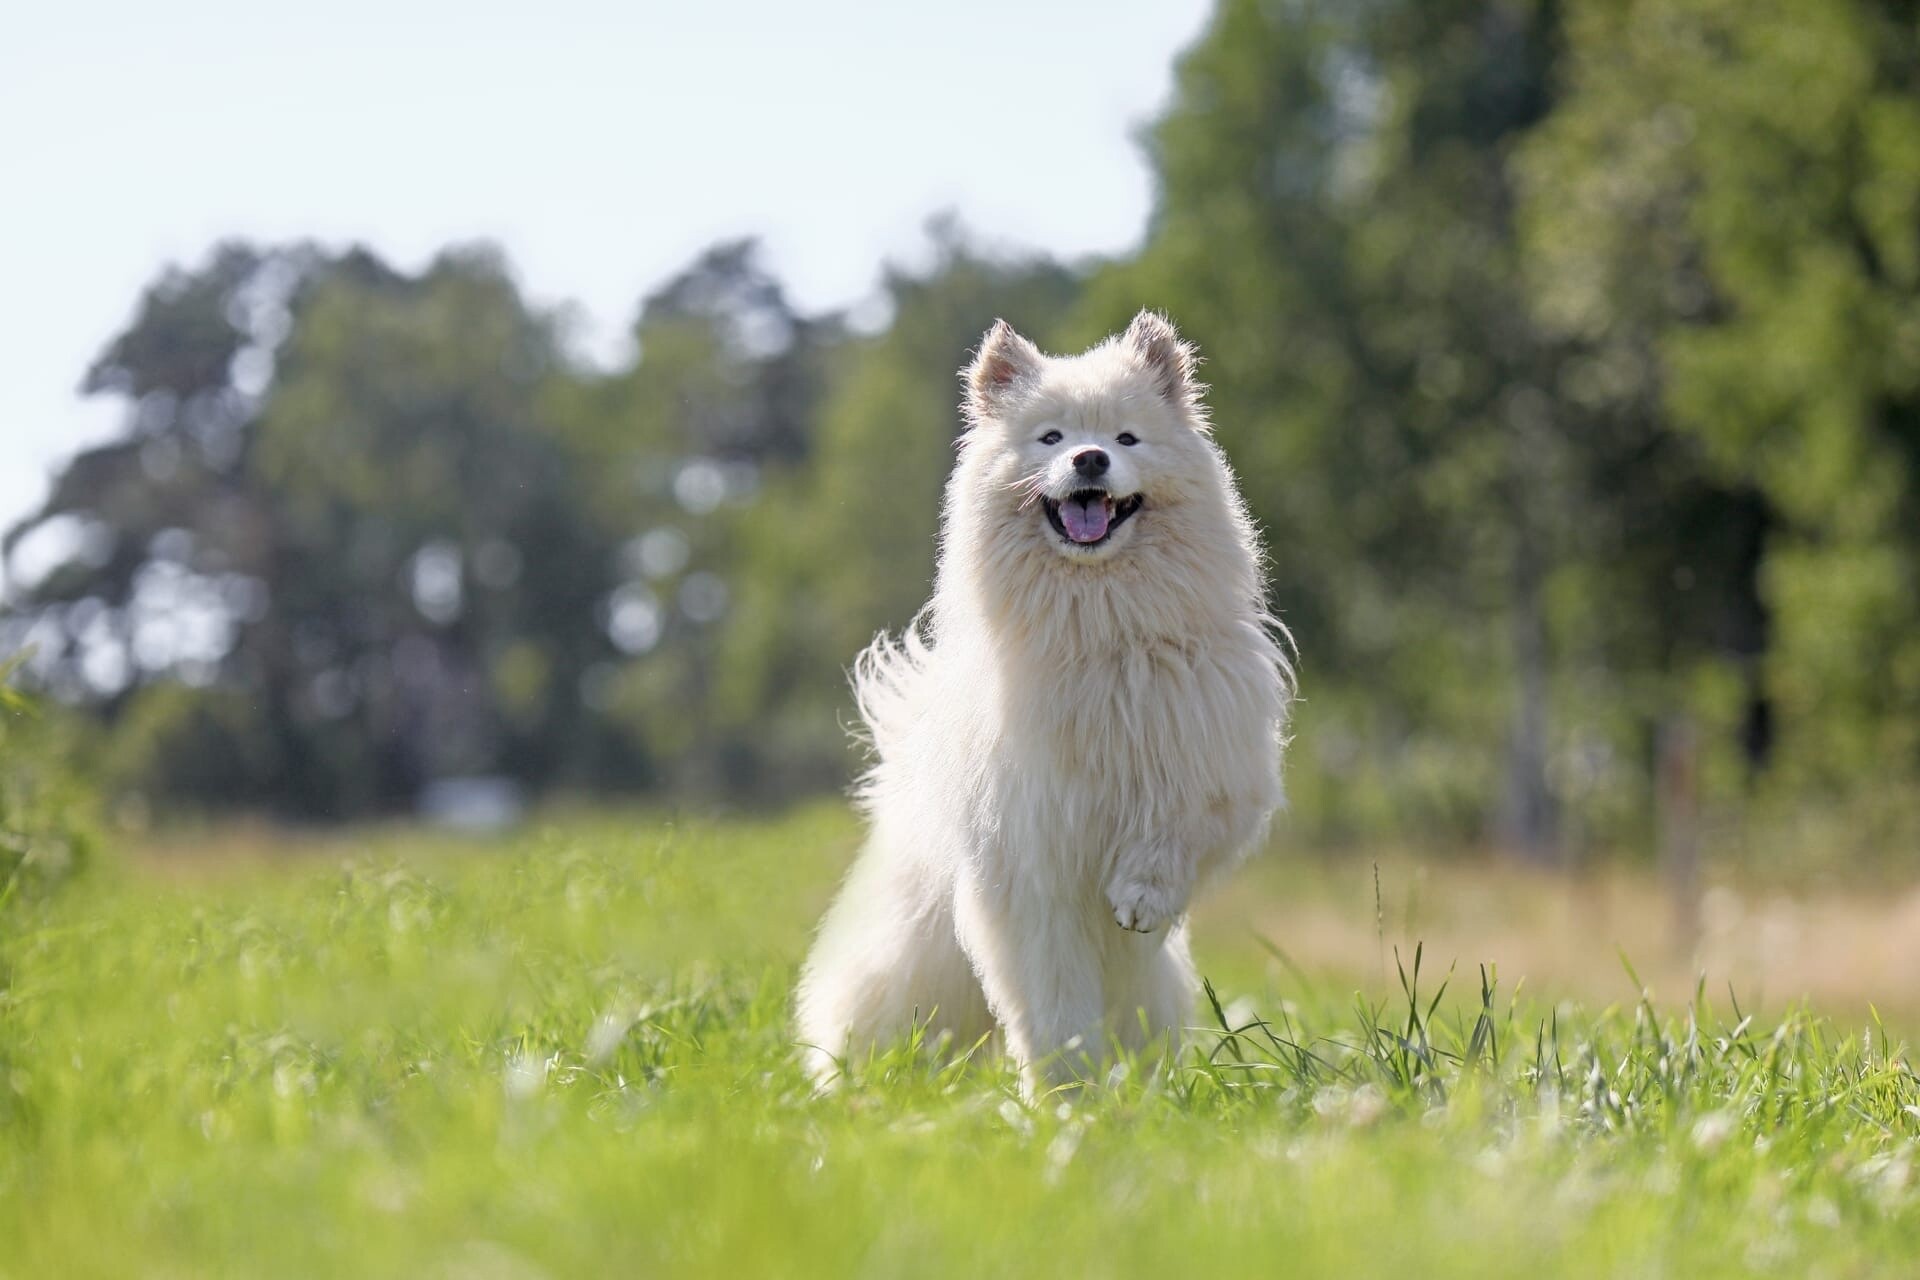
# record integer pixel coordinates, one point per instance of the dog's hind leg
(886, 960)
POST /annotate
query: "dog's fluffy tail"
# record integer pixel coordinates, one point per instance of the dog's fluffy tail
(887, 682)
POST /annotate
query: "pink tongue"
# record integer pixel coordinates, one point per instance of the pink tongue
(1085, 523)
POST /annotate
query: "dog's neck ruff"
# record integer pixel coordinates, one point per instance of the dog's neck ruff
(1060, 612)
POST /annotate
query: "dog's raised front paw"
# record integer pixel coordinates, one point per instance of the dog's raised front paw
(1144, 906)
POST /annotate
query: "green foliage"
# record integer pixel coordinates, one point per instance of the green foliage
(572, 1056)
(46, 812)
(1733, 191)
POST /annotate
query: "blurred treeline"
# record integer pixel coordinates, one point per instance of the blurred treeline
(1569, 354)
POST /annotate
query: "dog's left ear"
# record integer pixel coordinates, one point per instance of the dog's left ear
(1157, 345)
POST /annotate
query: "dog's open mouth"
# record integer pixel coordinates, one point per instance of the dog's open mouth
(1088, 517)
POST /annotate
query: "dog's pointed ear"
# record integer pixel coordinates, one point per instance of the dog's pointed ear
(1170, 361)
(1005, 360)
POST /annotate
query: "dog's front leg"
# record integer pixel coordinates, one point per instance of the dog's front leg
(1039, 964)
(1152, 880)
(1150, 885)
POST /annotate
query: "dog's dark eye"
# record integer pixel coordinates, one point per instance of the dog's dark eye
(1128, 438)
(1052, 437)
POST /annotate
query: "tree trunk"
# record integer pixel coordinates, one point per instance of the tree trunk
(1678, 816)
(1529, 826)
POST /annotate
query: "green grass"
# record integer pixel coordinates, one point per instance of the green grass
(570, 1056)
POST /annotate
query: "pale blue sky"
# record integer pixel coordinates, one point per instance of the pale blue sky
(602, 144)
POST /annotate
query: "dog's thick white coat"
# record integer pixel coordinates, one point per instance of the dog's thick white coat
(1069, 738)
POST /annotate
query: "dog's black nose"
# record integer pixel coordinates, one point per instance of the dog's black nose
(1091, 462)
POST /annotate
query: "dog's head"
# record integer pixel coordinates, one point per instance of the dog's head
(1085, 453)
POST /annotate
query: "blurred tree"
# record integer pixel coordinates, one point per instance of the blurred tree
(333, 483)
(179, 463)
(151, 537)
(1726, 212)
(427, 567)
(689, 450)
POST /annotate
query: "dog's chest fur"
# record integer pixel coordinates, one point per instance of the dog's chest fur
(1129, 744)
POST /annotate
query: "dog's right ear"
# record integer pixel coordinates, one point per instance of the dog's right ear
(1005, 361)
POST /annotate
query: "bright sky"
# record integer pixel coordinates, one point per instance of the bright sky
(602, 144)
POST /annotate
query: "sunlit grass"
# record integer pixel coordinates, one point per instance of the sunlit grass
(571, 1055)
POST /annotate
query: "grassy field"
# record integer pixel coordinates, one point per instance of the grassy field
(568, 1054)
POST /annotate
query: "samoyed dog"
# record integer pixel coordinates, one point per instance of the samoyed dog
(1084, 723)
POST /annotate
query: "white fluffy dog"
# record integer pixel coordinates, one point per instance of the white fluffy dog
(1086, 719)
